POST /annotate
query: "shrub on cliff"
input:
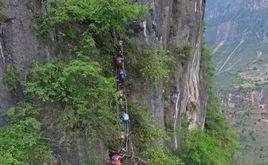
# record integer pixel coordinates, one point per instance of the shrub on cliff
(89, 25)
(149, 66)
(217, 144)
(11, 79)
(22, 142)
(160, 156)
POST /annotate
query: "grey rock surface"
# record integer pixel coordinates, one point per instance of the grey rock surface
(173, 23)
(20, 46)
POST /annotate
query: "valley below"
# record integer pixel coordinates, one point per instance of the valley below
(238, 35)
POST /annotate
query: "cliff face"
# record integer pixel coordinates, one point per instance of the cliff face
(20, 46)
(173, 23)
(177, 24)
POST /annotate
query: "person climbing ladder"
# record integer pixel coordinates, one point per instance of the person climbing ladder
(119, 60)
(124, 117)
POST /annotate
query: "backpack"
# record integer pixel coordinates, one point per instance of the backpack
(115, 159)
(125, 117)
(123, 75)
(118, 60)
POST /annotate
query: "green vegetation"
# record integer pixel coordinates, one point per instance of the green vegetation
(3, 16)
(80, 92)
(161, 156)
(79, 87)
(11, 79)
(207, 65)
(217, 143)
(143, 128)
(145, 138)
(155, 65)
(148, 67)
(71, 83)
(229, 81)
(184, 53)
(102, 16)
(91, 25)
(83, 92)
(22, 141)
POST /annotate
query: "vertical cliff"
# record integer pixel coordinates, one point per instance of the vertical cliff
(20, 46)
(175, 24)
(178, 24)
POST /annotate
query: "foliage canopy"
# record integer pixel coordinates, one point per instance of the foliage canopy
(22, 143)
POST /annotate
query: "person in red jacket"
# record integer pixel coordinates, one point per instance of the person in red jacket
(116, 159)
(119, 60)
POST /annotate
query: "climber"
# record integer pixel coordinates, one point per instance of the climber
(120, 41)
(122, 75)
(123, 135)
(121, 101)
(120, 85)
(124, 118)
(119, 59)
(116, 159)
(122, 92)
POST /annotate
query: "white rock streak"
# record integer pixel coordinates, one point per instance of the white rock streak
(2, 54)
(175, 121)
(229, 57)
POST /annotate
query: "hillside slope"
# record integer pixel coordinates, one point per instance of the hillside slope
(59, 100)
(237, 31)
(247, 113)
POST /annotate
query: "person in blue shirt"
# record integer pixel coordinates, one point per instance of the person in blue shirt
(124, 118)
(122, 75)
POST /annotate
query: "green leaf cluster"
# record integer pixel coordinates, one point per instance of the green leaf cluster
(85, 95)
(102, 16)
(202, 148)
(22, 143)
(89, 25)
(185, 52)
(217, 144)
(155, 64)
(208, 68)
(150, 66)
(11, 79)
(160, 156)
(143, 127)
(77, 83)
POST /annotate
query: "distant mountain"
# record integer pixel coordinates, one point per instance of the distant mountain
(237, 30)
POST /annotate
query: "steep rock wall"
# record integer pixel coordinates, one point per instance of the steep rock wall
(19, 44)
(174, 23)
